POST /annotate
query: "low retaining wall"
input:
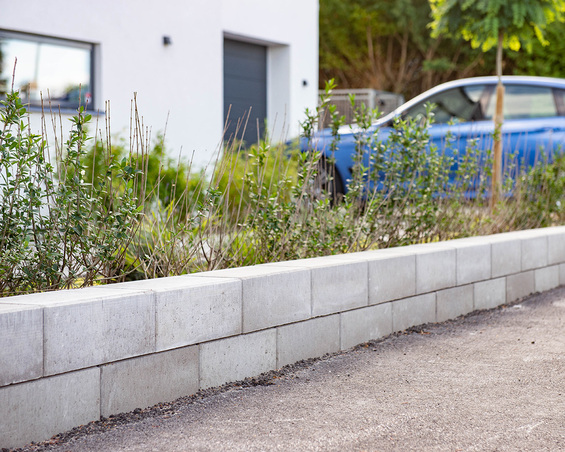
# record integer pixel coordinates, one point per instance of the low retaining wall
(70, 357)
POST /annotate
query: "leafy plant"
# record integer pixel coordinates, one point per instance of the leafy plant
(105, 214)
(57, 228)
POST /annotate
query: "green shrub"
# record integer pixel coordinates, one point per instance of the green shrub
(244, 177)
(109, 213)
(160, 179)
(57, 228)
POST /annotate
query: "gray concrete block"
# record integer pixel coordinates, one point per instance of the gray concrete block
(391, 277)
(534, 252)
(473, 262)
(435, 269)
(546, 278)
(413, 311)
(272, 295)
(519, 285)
(308, 339)
(238, 357)
(148, 380)
(339, 288)
(21, 343)
(556, 247)
(561, 274)
(362, 325)
(37, 410)
(506, 257)
(452, 303)
(490, 294)
(338, 283)
(193, 309)
(84, 333)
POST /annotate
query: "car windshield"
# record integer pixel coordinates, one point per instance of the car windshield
(462, 104)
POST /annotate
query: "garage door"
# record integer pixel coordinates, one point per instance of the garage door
(245, 89)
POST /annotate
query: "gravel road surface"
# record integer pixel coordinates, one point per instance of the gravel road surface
(493, 380)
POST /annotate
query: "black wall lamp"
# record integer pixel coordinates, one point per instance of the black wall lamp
(167, 41)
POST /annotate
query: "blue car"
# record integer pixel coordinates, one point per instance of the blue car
(534, 119)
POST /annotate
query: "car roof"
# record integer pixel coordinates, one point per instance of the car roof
(506, 80)
(488, 80)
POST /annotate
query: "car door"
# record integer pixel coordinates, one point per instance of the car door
(459, 120)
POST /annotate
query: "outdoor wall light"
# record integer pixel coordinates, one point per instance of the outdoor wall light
(304, 82)
(167, 41)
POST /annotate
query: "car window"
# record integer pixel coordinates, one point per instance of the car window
(559, 100)
(522, 102)
(462, 104)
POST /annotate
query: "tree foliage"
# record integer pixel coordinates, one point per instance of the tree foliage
(386, 44)
(521, 22)
(542, 60)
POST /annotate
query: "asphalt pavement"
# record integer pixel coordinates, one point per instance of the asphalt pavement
(490, 381)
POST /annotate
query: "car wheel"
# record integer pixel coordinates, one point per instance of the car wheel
(328, 180)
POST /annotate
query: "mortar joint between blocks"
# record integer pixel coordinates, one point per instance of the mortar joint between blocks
(311, 293)
(154, 299)
(100, 389)
(43, 342)
(242, 329)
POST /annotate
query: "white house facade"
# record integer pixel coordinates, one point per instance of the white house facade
(189, 61)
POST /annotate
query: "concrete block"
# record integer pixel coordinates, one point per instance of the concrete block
(452, 303)
(37, 410)
(339, 288)
(534, 253)
(506, 257)
(362, 325)
(473, 262)
(308, 339)
(561, 274)
(21, 343)
(96, 331)
(435, 269)
(490, 294)
(413, 311)
(194, 309)
(528, 233)
(338, 283)
(546, 278)
(238, 357)
(148, 380)
(272, 295)
(391, 277)
(519, 285)
(556, 247)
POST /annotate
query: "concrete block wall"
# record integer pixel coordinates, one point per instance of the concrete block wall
(70, 357)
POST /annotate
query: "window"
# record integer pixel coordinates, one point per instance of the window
(522, 102)
(461, 104)
(52, 69)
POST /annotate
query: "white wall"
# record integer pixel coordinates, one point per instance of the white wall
(180, 86)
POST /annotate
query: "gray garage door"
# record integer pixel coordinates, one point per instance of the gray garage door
(245, 89)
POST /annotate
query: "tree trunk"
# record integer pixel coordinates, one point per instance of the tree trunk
(498, 120)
